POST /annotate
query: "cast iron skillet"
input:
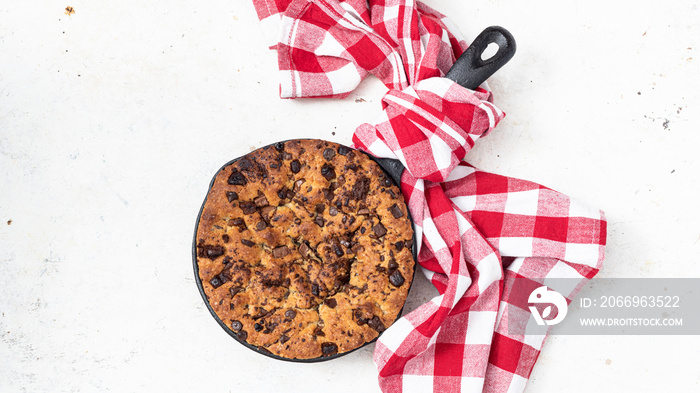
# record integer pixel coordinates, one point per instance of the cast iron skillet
(470, 71)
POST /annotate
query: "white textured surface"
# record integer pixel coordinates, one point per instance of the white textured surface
(114, 119)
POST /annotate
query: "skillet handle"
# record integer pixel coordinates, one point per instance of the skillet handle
(470, 70)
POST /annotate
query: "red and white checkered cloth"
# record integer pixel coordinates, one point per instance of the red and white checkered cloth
(477, 232)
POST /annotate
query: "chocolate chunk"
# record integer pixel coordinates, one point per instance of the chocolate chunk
(304, 250)
(319, 221)
(290, 314)
(343, 150)
(280, 252)
(319, 332)
(284, 338)
(297, 221)
(237, 178)
(261, 201)
(213, 252)
(242, 335)
(330, 302)
(247, 207)
(238, 222)
(328, 154)
(261, 226)
(356, 248)
(396, 211)
(362, 230)
(399, 245)
(265, 212)
(376, 324)
(282, 193)
(333, 211)
(231, 196)
(358, 316)
(337, 249)
(218, 281)
(236, 326)
(379, 230)
(279, 146)
(320, 208)
(235, 290)
(360, 188)
(295, 166)
(258, 327)
(386, 182)
(328, 171)
(363, 212)
(396, 279)
(226, 239)
(329, 349)
(245, 164)
(328, 193)
(247, 242)
(393, 265)
(315, 289)
(297, 185)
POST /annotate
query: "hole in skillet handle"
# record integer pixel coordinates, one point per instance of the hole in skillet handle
(470, 70)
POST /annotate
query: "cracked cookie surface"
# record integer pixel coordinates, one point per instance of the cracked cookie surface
(304, 249)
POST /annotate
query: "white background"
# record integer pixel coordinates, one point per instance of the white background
(114, 119)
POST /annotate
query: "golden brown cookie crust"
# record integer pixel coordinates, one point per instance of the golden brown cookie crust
(304, 249)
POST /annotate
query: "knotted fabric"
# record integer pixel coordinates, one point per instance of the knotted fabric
(477, 232)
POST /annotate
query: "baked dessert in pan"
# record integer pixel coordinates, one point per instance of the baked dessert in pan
(303, 250)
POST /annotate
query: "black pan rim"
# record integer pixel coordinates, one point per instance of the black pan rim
(390, 171)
